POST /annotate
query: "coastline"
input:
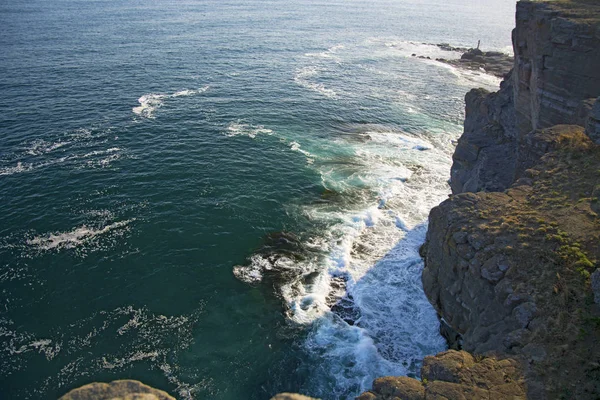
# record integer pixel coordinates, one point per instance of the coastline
(511, 257)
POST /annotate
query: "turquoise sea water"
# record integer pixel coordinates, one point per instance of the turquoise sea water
(224, 199)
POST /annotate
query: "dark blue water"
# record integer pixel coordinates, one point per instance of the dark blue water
(224, 199)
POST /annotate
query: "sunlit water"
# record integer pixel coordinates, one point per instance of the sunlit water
(224, 199)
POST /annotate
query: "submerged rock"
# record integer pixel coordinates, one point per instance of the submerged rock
(117, 390)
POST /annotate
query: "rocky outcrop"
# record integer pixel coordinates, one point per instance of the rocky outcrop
(492, 62)
(454, 375)
(117, 390)
(555, 80)
(592, 125)
(511, 259)
(482, 159)
(514, 272)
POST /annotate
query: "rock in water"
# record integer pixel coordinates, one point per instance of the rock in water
(117, 390)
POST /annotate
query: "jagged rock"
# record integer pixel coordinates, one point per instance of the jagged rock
(595, 282)
(117, 390)
(401, 387)
(592, 127)
(484, 158)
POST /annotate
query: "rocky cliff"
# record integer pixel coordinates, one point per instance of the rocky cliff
(511, 259)
(555, 80)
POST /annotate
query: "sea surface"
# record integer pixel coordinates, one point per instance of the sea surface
(225, 199)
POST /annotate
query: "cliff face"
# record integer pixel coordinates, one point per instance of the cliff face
(512, 266)
(555, 80)
(484, 158)
(510, 271)
(557, 61)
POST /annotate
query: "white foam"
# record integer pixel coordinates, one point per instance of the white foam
(295, 146)
(39, 147)
(241, 129)
(74, 238)
(408, 48)
(305, 77)
(330, 53)
(149, 103)
(18, 168)
(372, 243)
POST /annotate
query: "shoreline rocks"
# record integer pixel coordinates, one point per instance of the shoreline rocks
(491, 62)
(454, 375)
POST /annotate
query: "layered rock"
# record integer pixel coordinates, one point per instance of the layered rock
(555, 80)
(485, 153)
(592, 125)
(556, 61)
(511, 259)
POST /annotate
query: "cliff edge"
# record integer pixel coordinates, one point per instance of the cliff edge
(512, 257)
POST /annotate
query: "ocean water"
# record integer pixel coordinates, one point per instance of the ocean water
(225, 199)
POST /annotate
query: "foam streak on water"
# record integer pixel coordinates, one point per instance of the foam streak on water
(74, 238)
(149, 103)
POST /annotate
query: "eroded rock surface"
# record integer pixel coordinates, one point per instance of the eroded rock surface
(291, 396)
(454, 375)
(117, 390)
(484, 158)
(492, 62)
